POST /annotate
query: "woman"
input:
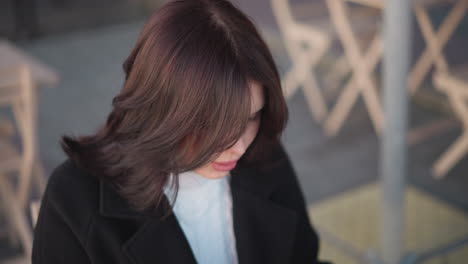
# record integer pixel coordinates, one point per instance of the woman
(188, 167)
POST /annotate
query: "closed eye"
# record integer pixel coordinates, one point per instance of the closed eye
(255, 117)
(257, 114)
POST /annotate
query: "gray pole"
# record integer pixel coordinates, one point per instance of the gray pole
(397, 34)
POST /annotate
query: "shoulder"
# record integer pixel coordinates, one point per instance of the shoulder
(70, 185)
(73, 193)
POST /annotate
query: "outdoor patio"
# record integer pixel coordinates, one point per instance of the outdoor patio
(339, 174)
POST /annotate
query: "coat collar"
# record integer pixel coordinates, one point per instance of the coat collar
(264, 231)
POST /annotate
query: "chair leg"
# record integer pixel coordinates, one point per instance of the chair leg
(9, 232)
(290, 83)
(314, 97)
(25, 175)
(302, 73)
(16, 214)
(349, 95)
(454, 153)
(360, 63)
(34, 171)
(342, 108)
(337, 74)
(294, 78)
(431, 40)
(313, 93)
(445, 31)
(372, 101)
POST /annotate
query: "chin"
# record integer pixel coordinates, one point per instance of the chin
(214, 174)
(211, 173)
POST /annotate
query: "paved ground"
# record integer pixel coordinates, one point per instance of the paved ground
(89, 63)
(349, 224)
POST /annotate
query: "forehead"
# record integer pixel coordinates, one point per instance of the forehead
(256, 94)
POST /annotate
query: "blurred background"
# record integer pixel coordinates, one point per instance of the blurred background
(61, 65)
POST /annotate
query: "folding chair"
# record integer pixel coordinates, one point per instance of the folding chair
(362, 65)
(306, 45)
(452, 82)
(455, 86)
(435, 40)
(17, 91)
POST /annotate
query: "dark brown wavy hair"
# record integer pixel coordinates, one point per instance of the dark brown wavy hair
(185, 99)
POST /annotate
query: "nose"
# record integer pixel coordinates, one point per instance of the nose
(239, 147)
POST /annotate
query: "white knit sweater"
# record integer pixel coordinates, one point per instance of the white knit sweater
(203, 209)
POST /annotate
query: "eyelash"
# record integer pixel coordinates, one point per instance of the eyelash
(254, 117)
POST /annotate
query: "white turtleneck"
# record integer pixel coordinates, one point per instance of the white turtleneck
(203, 209)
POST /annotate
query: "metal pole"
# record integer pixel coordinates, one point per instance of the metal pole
(397, 34)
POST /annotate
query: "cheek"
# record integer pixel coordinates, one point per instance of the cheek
(252, 132)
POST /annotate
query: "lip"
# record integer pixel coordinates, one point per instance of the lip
(224, 166)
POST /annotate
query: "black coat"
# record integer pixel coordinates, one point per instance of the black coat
(83, 220)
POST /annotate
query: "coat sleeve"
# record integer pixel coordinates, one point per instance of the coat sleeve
(54, 242)
(306, 245)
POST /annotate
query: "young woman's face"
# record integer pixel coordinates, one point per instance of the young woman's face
(226, 161)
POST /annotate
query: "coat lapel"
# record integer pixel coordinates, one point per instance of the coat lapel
(159, 242)
(156, 240)
(264, 231)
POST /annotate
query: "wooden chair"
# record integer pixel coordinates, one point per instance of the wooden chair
(306, 45)
(17, 91)
(436, 39)
(450, 81)
(363, 63)
(455, 85)
(20, 75)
